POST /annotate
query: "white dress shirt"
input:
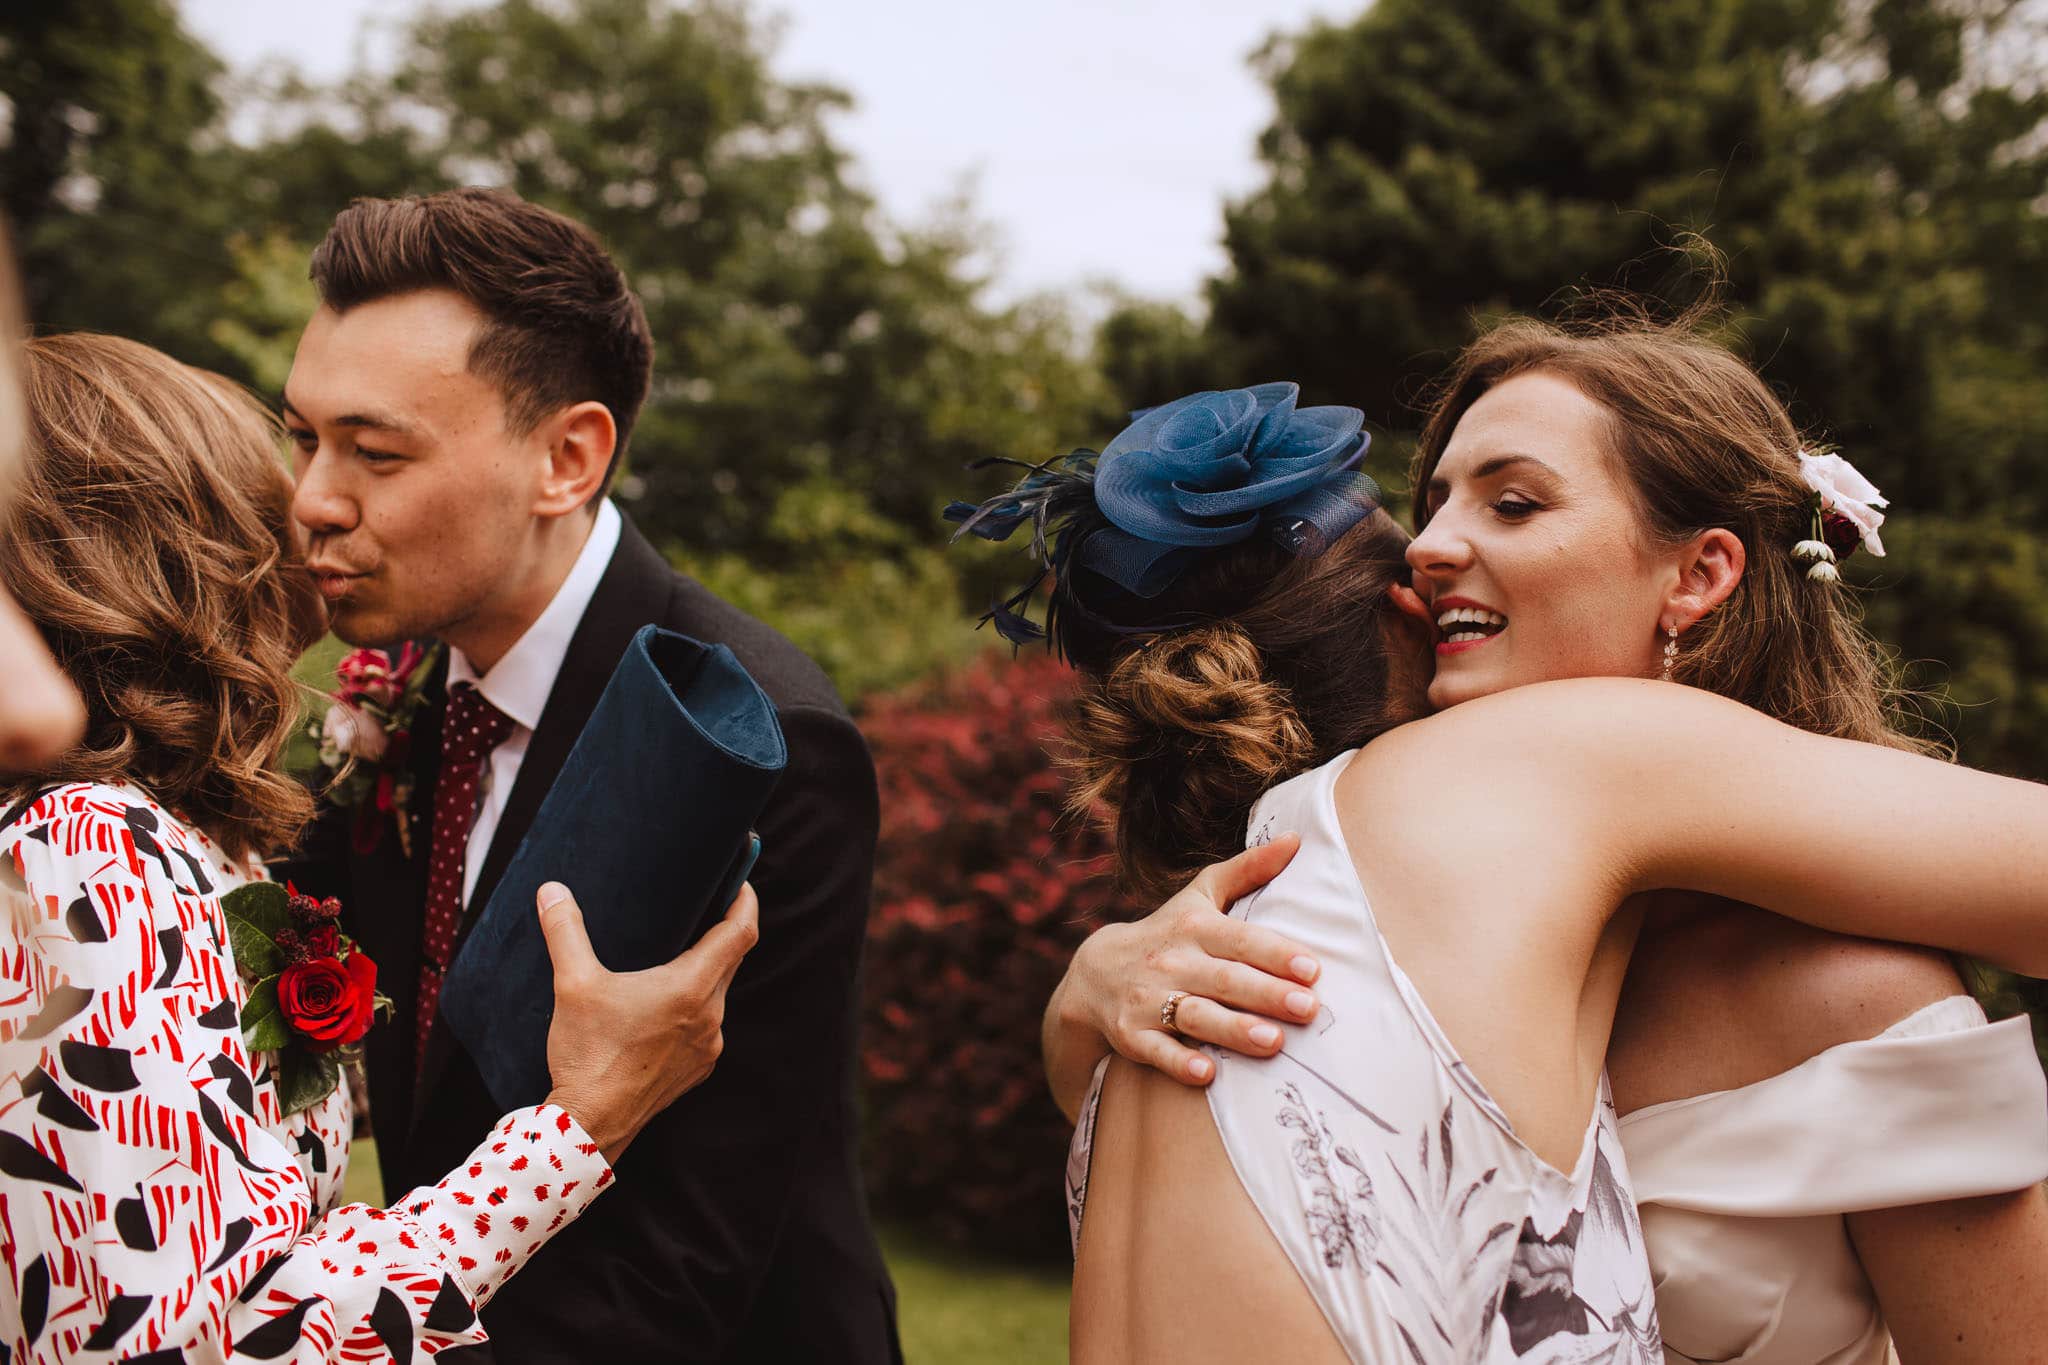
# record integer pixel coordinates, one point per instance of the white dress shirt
(519, 683)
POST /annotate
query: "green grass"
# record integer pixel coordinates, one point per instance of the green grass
(955, 1308)
(952, 1308)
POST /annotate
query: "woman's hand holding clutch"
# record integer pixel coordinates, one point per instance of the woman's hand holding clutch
(625, 1045)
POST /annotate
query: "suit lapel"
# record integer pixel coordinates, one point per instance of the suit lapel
(633, 592)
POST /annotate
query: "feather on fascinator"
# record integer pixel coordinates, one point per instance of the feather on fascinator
(1114, 531)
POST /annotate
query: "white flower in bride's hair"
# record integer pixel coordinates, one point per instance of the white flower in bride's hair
(1813, 549)
(1824, 572)
(353, 732)
(1845, 493)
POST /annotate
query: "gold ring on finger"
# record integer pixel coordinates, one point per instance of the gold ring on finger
(1169, 1013)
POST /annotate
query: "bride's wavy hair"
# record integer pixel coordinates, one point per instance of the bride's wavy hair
(1701, 442)
(149, 539)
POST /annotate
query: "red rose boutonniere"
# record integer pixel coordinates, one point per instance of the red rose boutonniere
(312, 994)
(366, 738)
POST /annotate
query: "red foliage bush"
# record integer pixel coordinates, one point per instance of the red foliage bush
(982, 891)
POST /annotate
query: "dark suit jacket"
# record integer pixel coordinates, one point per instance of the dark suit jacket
(737, 1230)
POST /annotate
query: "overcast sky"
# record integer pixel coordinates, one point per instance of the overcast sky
(1099, 137)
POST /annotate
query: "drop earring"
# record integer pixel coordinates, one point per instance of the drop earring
(1670, 651)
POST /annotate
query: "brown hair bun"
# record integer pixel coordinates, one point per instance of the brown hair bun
(1174, 732)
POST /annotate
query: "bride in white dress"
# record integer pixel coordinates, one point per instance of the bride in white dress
(1542, 563)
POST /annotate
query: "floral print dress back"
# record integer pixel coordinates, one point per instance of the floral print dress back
(1425, 1229)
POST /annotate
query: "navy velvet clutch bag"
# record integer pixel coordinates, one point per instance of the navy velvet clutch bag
(648, 824)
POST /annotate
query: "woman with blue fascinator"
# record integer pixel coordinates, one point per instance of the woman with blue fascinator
(1423, 1160)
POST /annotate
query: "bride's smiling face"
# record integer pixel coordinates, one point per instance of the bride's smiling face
(1534, 558)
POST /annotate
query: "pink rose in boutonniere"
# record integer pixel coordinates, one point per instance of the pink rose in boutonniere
(312, 993)
(366, 737)
(352, 732)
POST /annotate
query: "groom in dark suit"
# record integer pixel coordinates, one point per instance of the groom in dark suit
(459, 404)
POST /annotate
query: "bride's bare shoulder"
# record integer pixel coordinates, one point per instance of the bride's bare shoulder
(1549, 720)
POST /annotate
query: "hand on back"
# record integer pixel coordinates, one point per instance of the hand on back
(1237, 978)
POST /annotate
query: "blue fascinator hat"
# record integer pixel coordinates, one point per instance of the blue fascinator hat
(1186, 479)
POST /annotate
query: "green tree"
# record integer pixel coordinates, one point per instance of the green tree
(109, 169)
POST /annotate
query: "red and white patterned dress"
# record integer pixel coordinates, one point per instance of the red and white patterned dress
(154, 1204)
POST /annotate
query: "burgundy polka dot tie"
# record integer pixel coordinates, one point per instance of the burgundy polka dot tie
(471, 729)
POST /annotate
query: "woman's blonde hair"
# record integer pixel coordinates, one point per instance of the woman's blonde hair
(150, 541)
(1702, 442)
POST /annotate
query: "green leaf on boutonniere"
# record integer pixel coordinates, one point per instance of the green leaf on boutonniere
(256, 914)
(263, 1025)
(304, 1078)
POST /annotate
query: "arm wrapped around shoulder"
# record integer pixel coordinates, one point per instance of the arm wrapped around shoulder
(1681, 788)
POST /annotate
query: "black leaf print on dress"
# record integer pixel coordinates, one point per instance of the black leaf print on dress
(35, 1298)
(222, 1016)
(131, 1220)
(142, 831)
(24, 1162)
(392, 1324)
(55, 1105)
(217, 1124)
(123, 1312)
(62, 1003)
(110, 1070)
(451, 1311)
(142, 827)
(83, 922)
(172, 945)
(313, 1149)
(239, 1087)
(200, 881)
(259, 1279)
(233, 1238)
(280, 1335)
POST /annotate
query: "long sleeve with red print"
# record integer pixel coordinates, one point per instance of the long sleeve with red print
(154, 1202)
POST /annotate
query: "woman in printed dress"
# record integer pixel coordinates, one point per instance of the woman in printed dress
(1833, 1147)
(158, 1202)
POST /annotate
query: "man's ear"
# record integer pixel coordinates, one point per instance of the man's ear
(581, 439)
(1710, 566)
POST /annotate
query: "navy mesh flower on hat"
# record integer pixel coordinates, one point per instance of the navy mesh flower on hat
(1202, 472)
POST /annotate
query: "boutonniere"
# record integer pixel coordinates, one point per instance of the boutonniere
(312, 994)
(366, 738)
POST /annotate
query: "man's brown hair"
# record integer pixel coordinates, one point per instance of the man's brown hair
(562, 325)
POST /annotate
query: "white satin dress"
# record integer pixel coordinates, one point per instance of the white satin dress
(1743, 1192)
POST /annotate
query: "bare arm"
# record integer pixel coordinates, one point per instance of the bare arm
(1675, 787)
(1961, 1281)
